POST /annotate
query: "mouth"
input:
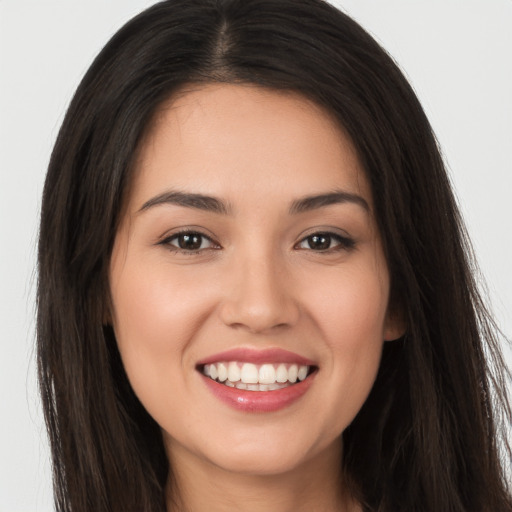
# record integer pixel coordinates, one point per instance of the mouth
(249, 376)
(257, 381)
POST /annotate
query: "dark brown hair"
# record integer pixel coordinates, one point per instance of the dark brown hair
(429, 436)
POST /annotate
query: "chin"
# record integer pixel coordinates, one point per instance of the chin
(263, 462)
(266, 454)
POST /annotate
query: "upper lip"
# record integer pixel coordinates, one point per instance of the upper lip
(257, 356)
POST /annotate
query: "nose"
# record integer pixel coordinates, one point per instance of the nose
(259, 296)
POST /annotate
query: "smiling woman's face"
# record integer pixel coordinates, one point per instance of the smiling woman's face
(248, 257)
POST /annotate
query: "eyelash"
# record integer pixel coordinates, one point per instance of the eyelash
(191, 233)
(343, 243)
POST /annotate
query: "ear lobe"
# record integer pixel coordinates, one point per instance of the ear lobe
(395, 325)
(107, 319)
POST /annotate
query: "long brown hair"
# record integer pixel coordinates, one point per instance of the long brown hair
(429, 436)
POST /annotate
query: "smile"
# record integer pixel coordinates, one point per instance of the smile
(254, 377)
(258, 381)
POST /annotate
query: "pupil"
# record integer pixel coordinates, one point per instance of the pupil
(190, 242)
(319, 242)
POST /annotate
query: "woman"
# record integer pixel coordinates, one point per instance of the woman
(254, 287)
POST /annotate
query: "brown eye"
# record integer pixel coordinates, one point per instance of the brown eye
(323, 242)
(189, 241)
(319, 242)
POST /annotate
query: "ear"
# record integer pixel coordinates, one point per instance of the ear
(107, 319)
(395, 325)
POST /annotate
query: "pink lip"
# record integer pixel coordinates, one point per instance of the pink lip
(259, 401)
(247, 355)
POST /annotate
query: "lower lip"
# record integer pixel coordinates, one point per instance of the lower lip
(259, 401)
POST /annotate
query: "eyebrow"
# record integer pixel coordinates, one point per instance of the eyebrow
(319, 201)
(212, 204)
(188, 200)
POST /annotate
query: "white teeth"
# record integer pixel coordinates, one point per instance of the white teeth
(256, 387)
(267, 374)
(233, 372)
(292, 373)
(249, 373)
(248, 376)
(222, 372)
(282, 373)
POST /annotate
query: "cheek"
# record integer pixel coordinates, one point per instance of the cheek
(351, 314)
(155, 316)
(155, 309)
(350, 306)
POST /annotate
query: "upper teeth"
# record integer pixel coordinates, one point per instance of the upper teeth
(249, 373)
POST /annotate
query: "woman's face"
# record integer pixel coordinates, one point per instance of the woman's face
(248, 257)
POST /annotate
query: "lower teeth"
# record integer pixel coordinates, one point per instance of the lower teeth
(256, 387)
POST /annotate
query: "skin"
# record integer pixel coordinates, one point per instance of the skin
(256, 282)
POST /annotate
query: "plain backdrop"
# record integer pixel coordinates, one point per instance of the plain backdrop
(456, 53)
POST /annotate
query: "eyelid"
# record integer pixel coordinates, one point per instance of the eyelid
(178, 230)
(170, 235)
(346, 241)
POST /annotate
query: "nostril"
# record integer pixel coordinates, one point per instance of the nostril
(257, 308)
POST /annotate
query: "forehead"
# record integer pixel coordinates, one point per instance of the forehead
(245, 141)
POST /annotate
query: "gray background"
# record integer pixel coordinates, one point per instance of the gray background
(457, 54)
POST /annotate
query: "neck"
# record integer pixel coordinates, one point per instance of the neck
(199, 485)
